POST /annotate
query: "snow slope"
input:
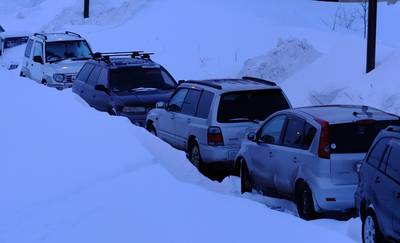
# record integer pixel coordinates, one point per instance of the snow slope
(71, 174)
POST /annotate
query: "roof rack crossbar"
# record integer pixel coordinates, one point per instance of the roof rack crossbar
(73, 33)
(132, 54)
(259, 80)
(40, 35)
(205, 83)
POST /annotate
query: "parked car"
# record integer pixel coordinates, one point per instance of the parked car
(378, 193)
(125, 84)
(9, 41)
(310, 155)
(208, 119)
(54, 59)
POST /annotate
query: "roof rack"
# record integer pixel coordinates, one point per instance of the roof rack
(40, 35)
(205, 83)
(105, 56)
(73, 33)
(259, 80)
(393, 129)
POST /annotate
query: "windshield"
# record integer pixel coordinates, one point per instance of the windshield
(61, 50)
(248, 106)
(355, 137)
(136, 78)
(15, 41)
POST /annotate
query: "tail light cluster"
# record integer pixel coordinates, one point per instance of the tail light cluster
(214, 136)
(324, 150)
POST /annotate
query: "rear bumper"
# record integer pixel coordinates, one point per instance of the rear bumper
(219, 154)
(335, 198)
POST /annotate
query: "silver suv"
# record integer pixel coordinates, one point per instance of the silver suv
(311, 154)
(209, 119)
(54, 59)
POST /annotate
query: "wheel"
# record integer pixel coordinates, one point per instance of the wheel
(195, 157)
(370, 229)
(305, 202)
(152, 130)
(112, 111)
(21, 74)
(44, 82)
(245, 181)
(59, 89)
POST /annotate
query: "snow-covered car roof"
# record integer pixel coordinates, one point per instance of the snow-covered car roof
(8, 34)
(53, 37)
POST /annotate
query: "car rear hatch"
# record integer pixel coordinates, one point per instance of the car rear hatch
(240, 112)
(349, 144)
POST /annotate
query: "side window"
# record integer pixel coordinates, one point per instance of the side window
(204, 106)
(393, 167)
(272, 130)
(28, 48)
(94, 76)
(85, 72)
(191, 102)
(309, 134)
(294, 133)
(376, 154)
(37, 49)
(176, 102)
(103, 78)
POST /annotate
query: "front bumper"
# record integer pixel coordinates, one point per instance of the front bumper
(60, 85)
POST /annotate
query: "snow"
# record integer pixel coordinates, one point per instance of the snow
(71, 174)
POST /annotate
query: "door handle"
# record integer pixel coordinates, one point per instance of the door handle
(377, 180)
(295, 160)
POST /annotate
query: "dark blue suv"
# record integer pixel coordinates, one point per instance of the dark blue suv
(378, 193)
(125, 84)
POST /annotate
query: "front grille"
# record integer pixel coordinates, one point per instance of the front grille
(69, 78)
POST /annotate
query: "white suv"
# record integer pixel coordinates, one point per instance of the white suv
(209, 119)
(54, 59)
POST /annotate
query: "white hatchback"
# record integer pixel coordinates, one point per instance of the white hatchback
(54, 59)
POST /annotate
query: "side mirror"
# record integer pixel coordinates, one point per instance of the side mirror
(268, 139)
(100, 87)
(251, 136)
(160, 105)
(38, 59)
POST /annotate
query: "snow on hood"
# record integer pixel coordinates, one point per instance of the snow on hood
(67, 66)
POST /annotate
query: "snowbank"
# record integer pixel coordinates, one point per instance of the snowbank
(287, 58)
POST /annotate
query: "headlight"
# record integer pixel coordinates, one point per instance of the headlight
(59, 77)
(128, 109)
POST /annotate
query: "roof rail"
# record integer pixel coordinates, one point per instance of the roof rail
(73, 33)
(393, 129)
(132, 54)
(259, 80)
(205, 83)
(40, 35)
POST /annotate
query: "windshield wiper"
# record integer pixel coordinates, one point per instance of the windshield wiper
(81, 58)
(58, 60)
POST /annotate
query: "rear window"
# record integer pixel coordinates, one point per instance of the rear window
(132, 78)
(15, 41)
(247, 106)
(356, 137)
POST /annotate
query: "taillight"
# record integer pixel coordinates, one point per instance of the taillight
(214, 136)
(324, 150)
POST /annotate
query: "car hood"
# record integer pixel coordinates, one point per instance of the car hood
(142, 98)
(67, 66)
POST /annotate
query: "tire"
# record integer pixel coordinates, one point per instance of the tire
(195, 157)
(59, 89)
(370, 229)
(151, 129)
(111, 112)
(44, 82)
(305, 202)
(245, 180)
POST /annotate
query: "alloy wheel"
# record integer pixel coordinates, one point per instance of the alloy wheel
(369, 230)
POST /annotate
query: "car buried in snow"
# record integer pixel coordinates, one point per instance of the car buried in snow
(11, 48)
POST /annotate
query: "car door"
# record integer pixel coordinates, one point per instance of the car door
(89, 89)
(166, 118)
(36, 66)
(392, 188)
(101, 99)
(379, 194)
(293, 154)
(263, 152)
(185, 117)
